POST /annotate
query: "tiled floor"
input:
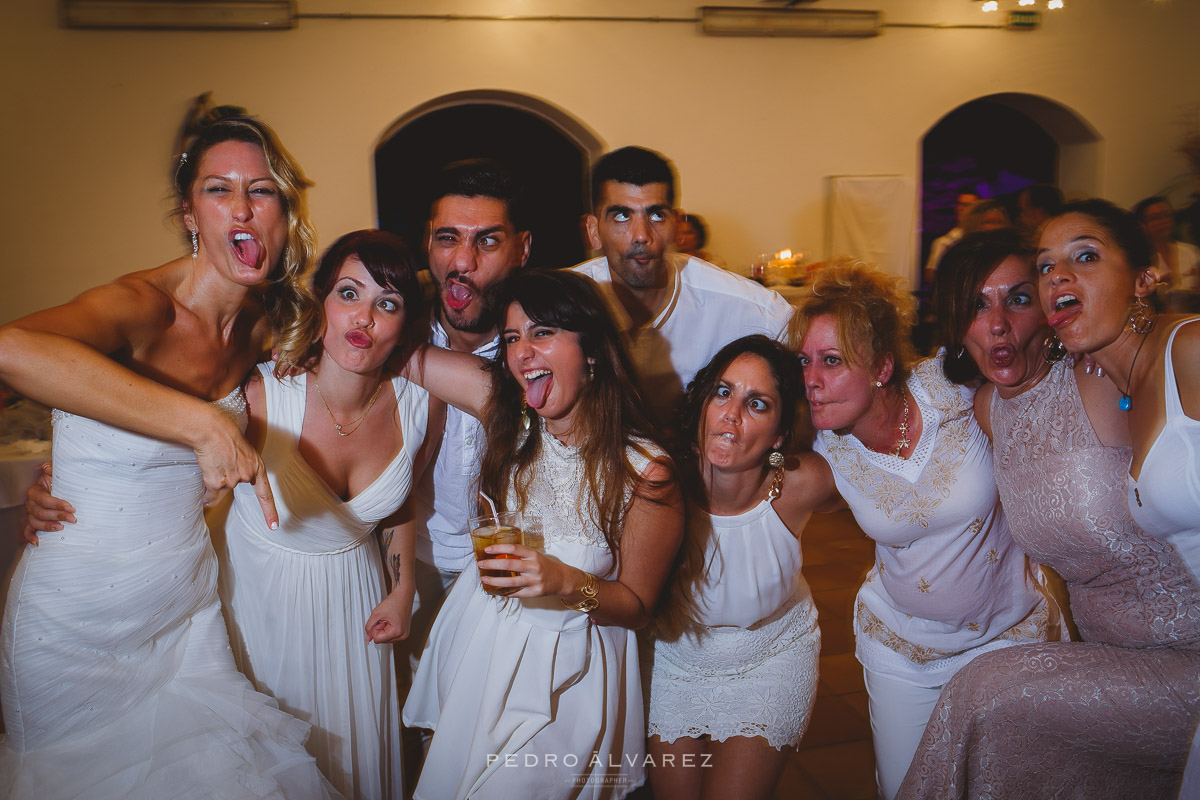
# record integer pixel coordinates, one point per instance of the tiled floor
(835, 761)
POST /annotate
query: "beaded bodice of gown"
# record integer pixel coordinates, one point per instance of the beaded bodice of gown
(1064, 493)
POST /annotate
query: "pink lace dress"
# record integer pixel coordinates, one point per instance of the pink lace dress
(1109, 717)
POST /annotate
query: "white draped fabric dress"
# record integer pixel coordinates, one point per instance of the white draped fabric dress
(528, 699)
(118, 681)
(299, 596)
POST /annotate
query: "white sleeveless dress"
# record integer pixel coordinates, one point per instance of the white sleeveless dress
(118, 681)
(528, 699)
(1165, 500)
(752, 671)
(299, 596)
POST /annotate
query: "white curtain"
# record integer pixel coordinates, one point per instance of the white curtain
(873, 218)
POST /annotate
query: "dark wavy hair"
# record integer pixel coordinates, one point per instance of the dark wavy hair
(957, 286)
(387, 260)
(1125, 229)
(678, 609)
(610, 412)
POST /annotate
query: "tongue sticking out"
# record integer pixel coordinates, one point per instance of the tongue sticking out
(458, 296)
(537, 391)
(248, 251)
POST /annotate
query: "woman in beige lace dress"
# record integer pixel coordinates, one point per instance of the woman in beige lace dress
(1110, 716)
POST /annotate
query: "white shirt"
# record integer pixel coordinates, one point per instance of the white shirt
(707, 309)
(940, 246)
(444, 498)
(1186, 274)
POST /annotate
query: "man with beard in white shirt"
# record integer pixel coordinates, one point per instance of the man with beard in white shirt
(476, 236)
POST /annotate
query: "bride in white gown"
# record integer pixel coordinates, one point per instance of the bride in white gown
(117, 676)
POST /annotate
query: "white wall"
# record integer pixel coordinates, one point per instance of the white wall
(754, 125)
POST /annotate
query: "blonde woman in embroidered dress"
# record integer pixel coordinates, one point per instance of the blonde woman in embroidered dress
(538, 694)
(948, 583)
(1108, 716)
(734, 662)
(118, 681)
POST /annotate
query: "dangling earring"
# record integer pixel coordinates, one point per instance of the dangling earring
(1141, 316)
(591, 370)
(195, 243)
(775, 459)
(524, 414)
(958, 354)
(1053, 349)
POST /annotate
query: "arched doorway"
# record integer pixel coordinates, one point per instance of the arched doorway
(545, 147)
(997, 145)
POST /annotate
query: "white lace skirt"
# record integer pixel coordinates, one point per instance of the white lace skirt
(758, 681)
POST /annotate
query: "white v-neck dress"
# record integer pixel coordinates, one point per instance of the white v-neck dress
(299, 596)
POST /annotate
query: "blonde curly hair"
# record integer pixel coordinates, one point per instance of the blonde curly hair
(874, 313)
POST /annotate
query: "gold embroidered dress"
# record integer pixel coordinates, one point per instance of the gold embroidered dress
(948, 582)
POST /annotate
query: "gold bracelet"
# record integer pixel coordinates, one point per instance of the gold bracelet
(589, 592)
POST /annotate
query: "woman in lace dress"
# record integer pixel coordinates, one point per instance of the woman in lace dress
(1095, 273)
(538, 694)
(1110, 716)
(734, 665)
(117, 676)
(948, 583)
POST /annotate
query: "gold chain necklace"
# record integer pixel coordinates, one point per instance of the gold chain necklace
(337, 426)
(903, 442)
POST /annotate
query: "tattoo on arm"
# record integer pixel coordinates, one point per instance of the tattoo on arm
(385, 540)
(395, 562)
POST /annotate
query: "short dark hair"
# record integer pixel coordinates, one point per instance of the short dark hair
(634, 165)
(1125, 228)
(1047, 197)
(483, 177)
(1139, 210)
(957, 285)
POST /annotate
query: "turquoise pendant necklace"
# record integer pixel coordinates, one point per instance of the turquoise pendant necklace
(1126, 402)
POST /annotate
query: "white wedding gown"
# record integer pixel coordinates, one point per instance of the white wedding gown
(299, 596)
(117, 676)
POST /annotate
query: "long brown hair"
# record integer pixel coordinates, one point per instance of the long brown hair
(609, 414)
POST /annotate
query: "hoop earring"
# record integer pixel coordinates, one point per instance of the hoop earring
(195, 243)
(1053, 349)
(775, 460)
(1141, 316)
